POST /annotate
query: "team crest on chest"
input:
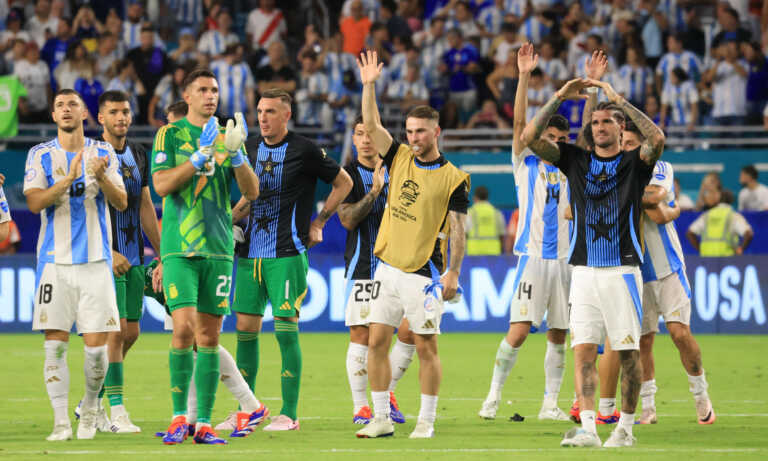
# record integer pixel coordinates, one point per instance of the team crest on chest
(409, 192)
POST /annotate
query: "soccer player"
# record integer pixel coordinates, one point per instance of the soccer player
(273, 263)
(429, 202)
(361, 215)
(193, 164)
(666, 290)
(69, 180)
(127, 246)
(176, 111)
(606, 187)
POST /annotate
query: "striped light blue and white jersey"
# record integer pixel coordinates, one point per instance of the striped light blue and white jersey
(663, 253)
(633, 82)
(686, 60)
(234, 80)
(400, 89)
(397, 66)
(540, 96)
(674, 14)
(5, 211)
(213, 42)
(491, 18)
(128, 87)
(534, 30)
(679, 98)
(336, 64)
(132, 36)
(309, 110)
(188, 12)
(554, 68)
(542, 197)
(166, 94)
(729, 90)
(77, 228)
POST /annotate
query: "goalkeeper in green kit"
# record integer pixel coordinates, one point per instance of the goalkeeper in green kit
(193, 164)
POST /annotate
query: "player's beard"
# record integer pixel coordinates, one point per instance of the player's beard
(68, 129)
(606, 144)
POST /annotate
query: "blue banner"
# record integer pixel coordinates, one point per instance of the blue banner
(728, 296)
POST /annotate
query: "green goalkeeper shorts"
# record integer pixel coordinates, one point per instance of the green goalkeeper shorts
(198, 282)
(129, 288)
(282, 281)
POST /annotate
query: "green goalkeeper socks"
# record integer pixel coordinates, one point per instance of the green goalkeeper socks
(206, 381)
(248, 356)
(287, 334)
(181, 363)
(113, 383)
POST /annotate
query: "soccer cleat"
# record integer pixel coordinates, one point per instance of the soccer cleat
(705, 412)
(378, 427)
(78, 409)
(206, 436)
(552, 414)
(488, 410)
(423, 430)
(60, 433)
(612, 419)
(363, 415)
(190, 433)
(283, 423)
(620, 438)
(394, 410)
(575, 412)
(86, 429)
(102, 421)
(578, 437)
(177, 432)
(122, 425)
(247, 422)
(648, 417)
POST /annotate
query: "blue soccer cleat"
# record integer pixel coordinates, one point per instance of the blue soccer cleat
(206, 436)
(247, 422)
(177, 431)
(610, 419)
(394, 410)
(190, 431)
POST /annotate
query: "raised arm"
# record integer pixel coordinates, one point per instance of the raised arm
(370, 70)
(526, 62)
(596, 67)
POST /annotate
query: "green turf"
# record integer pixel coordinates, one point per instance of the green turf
(735, 369)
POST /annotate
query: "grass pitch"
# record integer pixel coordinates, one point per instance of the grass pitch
(736, 369)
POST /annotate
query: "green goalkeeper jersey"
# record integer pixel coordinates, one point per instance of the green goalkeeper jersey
(197, 217)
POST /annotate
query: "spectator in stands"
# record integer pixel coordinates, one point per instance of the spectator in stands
(344, 99)
(487, 117)
(266, 25)
(167, 92)
(214, 42)
(312, 93)
(683, 200)
(77, 63)
(693, 36)
(502, 83)
(335, 61)
(757, 80)
(43, 24)
(728, 76)
(150, 63)
(433, 46)
(237, 87)
(87, 28)
(378, 40)
(106, 55)
(651, 31)
(490, 18)
(537, 26)
(720, 231)
(188, 49)
(396, 25)
(555, 72)
(539, 92)
(134, 21)
(679, 101)
(635, 78)
(12, 242)
(13, 31)
(501, 45)
(712, 181)
(460, 62)
(396, 66)
(753, 196)
(34, 75)
(126, 81)
(653, 108)
(594, 43)
(55, 50)
(355, 28)
(485, 225)
(677, 57)
(114, 25)
(730, 27)
(277, 73)
(409, 91)
(16, 53)
(189, 13)
(464, 20)
(312, 41)
(90, 88)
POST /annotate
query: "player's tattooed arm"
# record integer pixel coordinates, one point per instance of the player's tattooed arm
(342, 184)
(241, 210)
(535, 127)
(458, 240)
(653, 146)
(350, 214)
(545, 149)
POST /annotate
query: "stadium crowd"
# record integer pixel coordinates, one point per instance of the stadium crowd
(686, 62)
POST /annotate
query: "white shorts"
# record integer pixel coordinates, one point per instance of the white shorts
(669, 297)
(541, 286)
(80, 294)
(396, 293)
(605, 301)
(359, 302)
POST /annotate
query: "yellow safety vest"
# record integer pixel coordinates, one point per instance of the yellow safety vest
(717, 240)
(483, 238)
(415, 216)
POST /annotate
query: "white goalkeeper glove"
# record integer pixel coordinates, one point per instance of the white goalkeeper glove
(234, 136)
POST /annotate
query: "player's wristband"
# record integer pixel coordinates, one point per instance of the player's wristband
(237, 158)
(198, 160)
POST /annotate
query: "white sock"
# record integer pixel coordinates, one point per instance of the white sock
(698, 386)
(428, 409)
(380, 404)
(647, 394)
(117, 410)
(506, 356)
(95, 369)
(400, 359)
(56, 375)
(607, 406)
(627, 421)
(192, 398)
(357, 374)
(235, 382)
(554, 367)
(588, 420)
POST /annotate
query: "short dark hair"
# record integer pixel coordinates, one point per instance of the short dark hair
(537, 73)
(424, 112)
(618, 114)
(559, 122)
(195, 74)
(64, 92)
(277, 93)
(631, 127)
(481, 192)
(358, 121)
(179, 108)
(750, 170)
(113, 96)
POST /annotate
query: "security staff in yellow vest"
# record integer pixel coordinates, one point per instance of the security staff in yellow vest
(426, 205)
(720, 231)
(485, 226)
